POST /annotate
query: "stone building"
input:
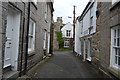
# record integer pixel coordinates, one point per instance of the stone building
(58, 24)
(101, 47)
(109, 27)
(24, 35)
(57, 28)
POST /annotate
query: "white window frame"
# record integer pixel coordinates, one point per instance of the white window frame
(114, 46)
(45, 39)
(46, 11)
(68, 33)
(91, 15)
(66, 43)
(32, 44)
(81, 27)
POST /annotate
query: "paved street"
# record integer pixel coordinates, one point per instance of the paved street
(64, 64)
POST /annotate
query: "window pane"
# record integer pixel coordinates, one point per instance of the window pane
(119, 33)
(114, 41)
(30, 42)
(115, 33)
(119, 61)
(116, 52)
(116, 59)
(119, 52)
(118, 41)
(31, 27)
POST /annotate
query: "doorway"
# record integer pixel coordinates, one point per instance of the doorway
(89, 50)
(12, 39)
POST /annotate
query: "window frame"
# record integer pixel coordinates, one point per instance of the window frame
(32, 36)
(46, 13)
(68, 33)
(45, 39)
(114, 46)
(66, 42)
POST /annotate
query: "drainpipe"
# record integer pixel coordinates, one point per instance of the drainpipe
(21, 58)
(27, 38)
(51, 39)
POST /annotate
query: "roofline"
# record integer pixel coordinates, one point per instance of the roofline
(90, 3)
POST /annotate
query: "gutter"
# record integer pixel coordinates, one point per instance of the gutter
(27, 40)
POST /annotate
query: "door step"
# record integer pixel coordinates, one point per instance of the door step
(7, 69)
(11, 74)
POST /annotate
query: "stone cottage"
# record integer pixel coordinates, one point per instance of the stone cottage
(109, 27)
(101, 45)
(57, 28)
(24, 35)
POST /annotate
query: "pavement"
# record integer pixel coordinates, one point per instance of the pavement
(63, 64)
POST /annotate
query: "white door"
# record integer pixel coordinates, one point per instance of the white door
(12, 39)
(89, 50)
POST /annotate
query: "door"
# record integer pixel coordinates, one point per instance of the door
(12, 38)
(89, 50)
(84, 50)
(8, 44)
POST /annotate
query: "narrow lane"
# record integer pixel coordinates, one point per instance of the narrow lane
(64, 64)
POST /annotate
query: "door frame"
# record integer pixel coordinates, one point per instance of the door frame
(89, 50)
(15, 38)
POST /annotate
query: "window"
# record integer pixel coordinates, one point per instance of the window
(45, 39)
(115, 49)
(46, 10)
(91, 16)
(31, 42)
(81, 27)
(66, 43)
(68, 32)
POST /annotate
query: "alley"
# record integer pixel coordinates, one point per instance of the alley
(63, 64)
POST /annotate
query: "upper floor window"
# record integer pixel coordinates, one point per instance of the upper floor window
(68, 32)
(115, 52)
(31, 42)
(91, 16)
(46, 10)
(81, 27)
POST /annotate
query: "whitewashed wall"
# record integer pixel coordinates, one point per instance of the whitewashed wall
(68, 26)
(84, 31)
(77, 36)
(86, 21)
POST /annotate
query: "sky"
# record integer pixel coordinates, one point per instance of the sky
(64, 8)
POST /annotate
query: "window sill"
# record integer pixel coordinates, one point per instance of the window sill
(114, 5)
(114, 71)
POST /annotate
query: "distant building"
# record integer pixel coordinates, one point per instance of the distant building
(58, 24)
(67, 34)
(57, 28)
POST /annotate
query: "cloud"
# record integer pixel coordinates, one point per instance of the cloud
(64, 8)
